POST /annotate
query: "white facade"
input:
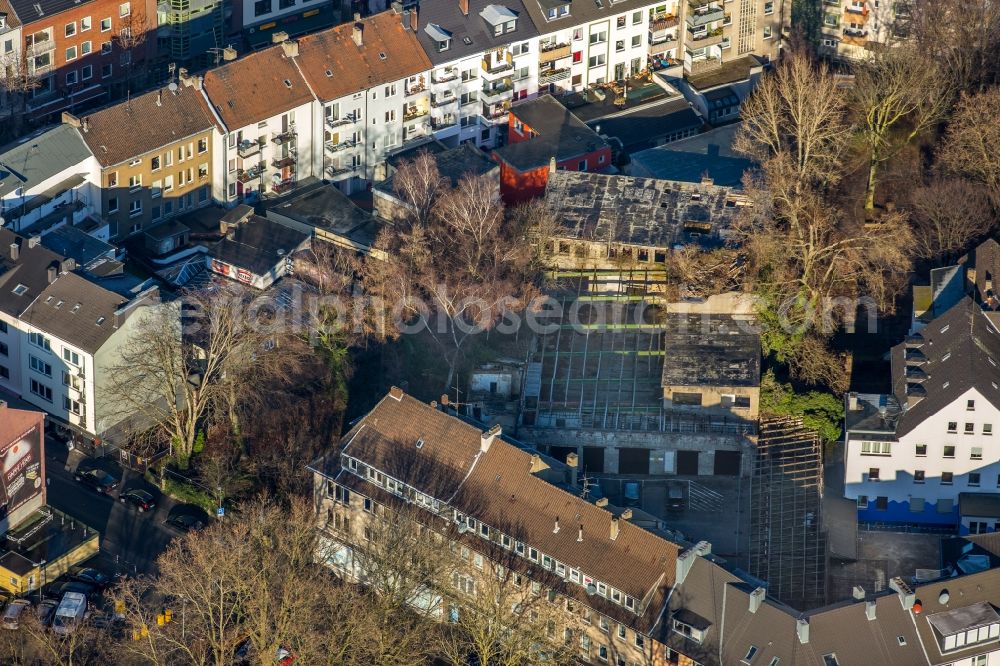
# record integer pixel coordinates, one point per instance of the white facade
(71, 194)
(918, 476)
(57, 377)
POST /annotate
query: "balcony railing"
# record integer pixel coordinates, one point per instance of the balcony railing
(414, 113)
(445, 77)
(437, 101)
(495, 116)
(493, 68)
(855, 32)
(706, 38)
(553, 76)
(496, 93)
(338, 147)
(555, 52)
(248, 148)
(415, 88)
(861, 11)
(333, 123)
(283, 162)
(253, 173)
(285, 137)
(663, 22)
(443, 123)
(333, 170)
(704, 16)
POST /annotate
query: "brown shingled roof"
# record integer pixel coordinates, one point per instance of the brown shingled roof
(253, 88)
(352, 67)
(144, 124)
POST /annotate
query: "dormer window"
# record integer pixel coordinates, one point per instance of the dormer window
(440, 36)
(690, 625)
(502, 19)
(555, 11)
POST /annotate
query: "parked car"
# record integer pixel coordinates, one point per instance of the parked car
(139, 498)
(70, 613)
(12, 614)
(46, 610)
(90, 576)
(97, 479)
(185, 522)
(61, 587)
(675, 498)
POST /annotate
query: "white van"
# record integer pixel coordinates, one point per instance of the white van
(69, 613)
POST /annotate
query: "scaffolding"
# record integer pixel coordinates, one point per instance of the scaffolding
(788, 545)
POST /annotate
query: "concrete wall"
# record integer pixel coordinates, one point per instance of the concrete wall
(712, 400)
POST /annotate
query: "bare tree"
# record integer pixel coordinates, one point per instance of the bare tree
(898, 95)
(797, 113)
(948, 216)
(17, 81)
(971, 147)
(172, 379)
(129, 37)
(964, 38)
(456, 275)
(419, 183)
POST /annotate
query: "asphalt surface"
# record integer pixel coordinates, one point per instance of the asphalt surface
(130, 540)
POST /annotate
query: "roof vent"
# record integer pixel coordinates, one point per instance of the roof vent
(858, 592)
(396, 393)
(906, 595)
(288, 83)
(555, 530)
(420, 443)
(757, 598)
(579, 535)
(329, 73)
(802, 630)
(870, 609)
(944, 597)
(381, 55)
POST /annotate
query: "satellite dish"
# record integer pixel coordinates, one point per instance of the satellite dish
(944, 597)
(591, 589)
(172, 87)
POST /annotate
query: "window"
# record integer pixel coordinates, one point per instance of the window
(767, 32)
(597, 60)
(40, 366)
(987, 428)
(636, 41)
(168, 184)
(135, 208)
(604, 624)
(636, 18)
(970, 428)
(71, 53)
(881, 503)
(262, 7)
(4, 372)
(918, 476)
(71, 356)
(85, 24)
(70, 29)
(124, 9)
(751, 653)
(619, 45)
(873, 474)
(40, 340)
(134, 182)
(105, 24)
(693, 399)
(952, 426)
(71, 78)
(949, 452)
(202, 146)
(976, 453)
(599, 37)
(106, 70)
(4, 351)
(41, 390)
(876, 448)
(947, 478)
(3, 327)
(970, 405)
(106, 49)
(71, 405)
(621, 631)
(87, 72)
(921, 450)
(830, 659)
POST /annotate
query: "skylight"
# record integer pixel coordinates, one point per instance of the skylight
(20, 290)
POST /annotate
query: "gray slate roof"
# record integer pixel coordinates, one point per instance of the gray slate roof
(559, 134)
(710, 350)
(33, 160)
(258, 245)
(74, 243)
(469, 34)
(641, 128)
(580, 12)
(688, 159)
(29, 269)
(955, 352)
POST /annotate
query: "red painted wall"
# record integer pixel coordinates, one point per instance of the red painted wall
(519, 186)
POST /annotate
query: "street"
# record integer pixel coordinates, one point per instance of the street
(130, 540)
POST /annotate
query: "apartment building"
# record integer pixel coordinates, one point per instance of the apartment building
(50, 179)
(911, 453)
(852, 27)
(485, 57)
(81, 50)
(264, 111)
(11, 54)
(370, 79)
(155, 157)
(618, 593)
(60, 334)
(191, 32)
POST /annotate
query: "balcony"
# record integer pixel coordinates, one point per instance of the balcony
(253, 173)
(335, 171)
(494, 117)
(285, 137)
(857, 11)
(284, 186)
(706, 38)
(437, 101)
(552, 76)
(283, 163)
(497, 68)
(856, 36)
(704, 64)
(554, 52)
(414, 112)
(444, 122)
(412, 89)
(445, 76)
(663, 22)
(334, 123)
(498, 92)
(658, 47)
(332, 147)
(248, 148)
(705, 15)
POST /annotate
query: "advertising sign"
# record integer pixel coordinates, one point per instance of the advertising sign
(22, 471)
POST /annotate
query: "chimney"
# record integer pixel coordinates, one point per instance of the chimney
(579, 535)
(906, 595)
(159, 98)
(552, 164)
(278, 37)
(69, 119)
(536, 464)
(707, 180)
(53, 272)
(686, 559)
(870, 610)
(358, 33)
(86, 124)
(852, 401)
(603, 502)
(555, 530)
(858, 593)
(396, 393)
(15, 251)
(396, 6)
(223, 227)
(757, 598)
(33, 241)
(414, 23)
(802, 629)
(615, 527)
(229, 54)
(464, 6)
(67, 265)
(571, 461)
(444, 399)
(486, 438)
(627, 514)
(290, 47)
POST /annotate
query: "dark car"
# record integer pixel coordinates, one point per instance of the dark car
(90, 576)
(97, 479)
(185, 522)
(46, 609)
(140, 498)
(61, 587)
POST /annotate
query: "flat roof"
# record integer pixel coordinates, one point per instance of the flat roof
(955, 620)
(708, 154)
(710, 350)
(325, 207)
